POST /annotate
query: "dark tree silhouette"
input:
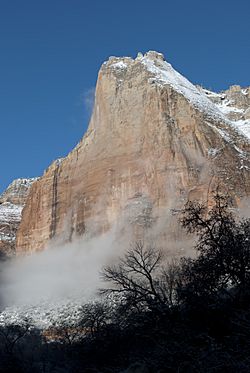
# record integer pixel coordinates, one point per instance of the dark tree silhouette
(223, 246)
(138, 277)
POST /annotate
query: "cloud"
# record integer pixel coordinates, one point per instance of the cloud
(88, 99)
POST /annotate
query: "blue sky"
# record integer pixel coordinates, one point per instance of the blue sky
(51, 51)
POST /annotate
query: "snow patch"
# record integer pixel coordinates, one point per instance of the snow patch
(212, 152)
(225, 108)
(120, 65)
(243, 126)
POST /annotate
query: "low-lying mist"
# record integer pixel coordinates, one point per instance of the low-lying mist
(59, 273)
(70, 272)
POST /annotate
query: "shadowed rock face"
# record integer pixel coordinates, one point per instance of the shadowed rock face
(11, 205)
(154, 141)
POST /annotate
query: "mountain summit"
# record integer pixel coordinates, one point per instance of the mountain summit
(154, 141)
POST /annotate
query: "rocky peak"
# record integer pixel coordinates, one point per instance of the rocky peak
(154, 141)
(238, 96)
(153, 68)
(152, 55)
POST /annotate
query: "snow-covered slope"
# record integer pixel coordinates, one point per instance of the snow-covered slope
(10, 212)
(16, 192)
(11, 205)
(234, 103)
(231, 107)
(165, 74)
(10, 217)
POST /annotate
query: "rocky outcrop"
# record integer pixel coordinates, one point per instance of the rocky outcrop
(12, 202)
(234, 103)
(154, 141)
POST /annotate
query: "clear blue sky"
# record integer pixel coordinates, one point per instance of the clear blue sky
(51, 51)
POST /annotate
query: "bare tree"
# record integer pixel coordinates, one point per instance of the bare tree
(137, 277)
(169, 282)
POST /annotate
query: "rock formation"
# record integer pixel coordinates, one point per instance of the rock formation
(154, 141)
(235, 105)
(12, 202)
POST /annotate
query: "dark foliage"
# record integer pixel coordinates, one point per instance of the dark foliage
(222, 268)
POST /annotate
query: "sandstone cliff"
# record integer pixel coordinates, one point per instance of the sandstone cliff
(12, 202)
(154, 140)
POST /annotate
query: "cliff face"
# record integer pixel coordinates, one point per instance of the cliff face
(154, 140)
(12, 202)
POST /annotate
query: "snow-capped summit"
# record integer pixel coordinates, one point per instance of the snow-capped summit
(231, 106)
